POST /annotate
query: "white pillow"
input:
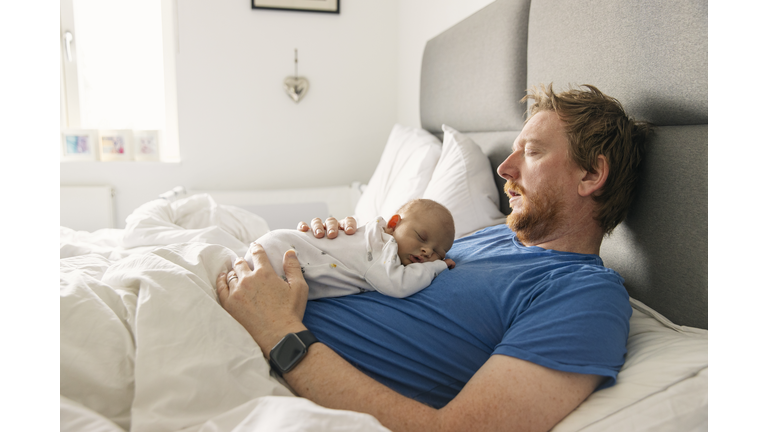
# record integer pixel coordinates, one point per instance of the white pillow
(662, 385)
(463, 182)
(402, 174)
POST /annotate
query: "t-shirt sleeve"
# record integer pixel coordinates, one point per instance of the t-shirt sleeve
(573, 323)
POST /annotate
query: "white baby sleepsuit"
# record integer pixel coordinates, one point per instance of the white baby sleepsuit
(350, 264)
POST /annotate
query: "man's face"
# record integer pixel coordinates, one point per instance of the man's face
(542, 180)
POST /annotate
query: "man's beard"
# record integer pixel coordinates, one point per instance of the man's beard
(538, 217)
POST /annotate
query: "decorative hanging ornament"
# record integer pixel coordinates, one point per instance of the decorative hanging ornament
(296, 86)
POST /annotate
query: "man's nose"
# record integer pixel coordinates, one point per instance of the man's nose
(509, 168)
(426, 251)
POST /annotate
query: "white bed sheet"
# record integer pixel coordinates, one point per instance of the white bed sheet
(661, 387)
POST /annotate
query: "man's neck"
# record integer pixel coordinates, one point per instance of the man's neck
(571, 244)
(580, 236)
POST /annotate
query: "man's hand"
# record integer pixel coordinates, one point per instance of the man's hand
(331, 225)
(265, 304)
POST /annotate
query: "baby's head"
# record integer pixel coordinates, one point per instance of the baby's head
(423, 230)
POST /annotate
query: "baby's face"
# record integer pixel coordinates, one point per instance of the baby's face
(422, 236)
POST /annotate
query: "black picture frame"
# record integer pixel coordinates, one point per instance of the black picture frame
(322, 6)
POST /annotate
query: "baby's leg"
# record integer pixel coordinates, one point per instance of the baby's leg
(275, 244)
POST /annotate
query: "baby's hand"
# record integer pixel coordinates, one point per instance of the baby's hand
(450, 262)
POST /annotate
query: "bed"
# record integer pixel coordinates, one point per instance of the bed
(146, 346)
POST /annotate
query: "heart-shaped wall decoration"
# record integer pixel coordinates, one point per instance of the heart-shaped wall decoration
(296, 87)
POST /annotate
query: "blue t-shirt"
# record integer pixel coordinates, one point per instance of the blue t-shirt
(561, 310)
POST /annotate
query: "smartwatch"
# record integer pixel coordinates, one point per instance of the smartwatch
(290, 351)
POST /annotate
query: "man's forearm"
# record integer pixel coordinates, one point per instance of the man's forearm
(506, 394)
(328, 380)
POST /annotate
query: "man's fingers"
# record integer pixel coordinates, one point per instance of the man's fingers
(222, 290)
(292, 268)
(295, 278)
(241, 267)
(349, 225)
(260, 259)
(318, 229)
(332, 226)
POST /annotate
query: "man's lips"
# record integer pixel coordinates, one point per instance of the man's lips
(513, 198)
(512, 190)
(415, 259)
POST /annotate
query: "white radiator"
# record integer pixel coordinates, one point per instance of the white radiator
(87, 208)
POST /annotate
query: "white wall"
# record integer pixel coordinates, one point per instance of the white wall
(237, 127)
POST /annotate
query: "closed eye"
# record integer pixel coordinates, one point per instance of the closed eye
(532, 149)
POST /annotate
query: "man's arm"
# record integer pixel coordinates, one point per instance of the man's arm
(505, 394)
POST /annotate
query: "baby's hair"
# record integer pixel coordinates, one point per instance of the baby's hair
(430, 205)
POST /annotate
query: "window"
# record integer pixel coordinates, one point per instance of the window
(118, 67)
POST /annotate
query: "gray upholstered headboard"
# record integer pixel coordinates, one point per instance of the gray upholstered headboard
(652, 56)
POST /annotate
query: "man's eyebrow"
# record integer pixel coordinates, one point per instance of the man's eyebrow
(524, 141)
(532, 141)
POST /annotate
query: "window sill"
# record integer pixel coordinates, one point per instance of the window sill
(139, 162)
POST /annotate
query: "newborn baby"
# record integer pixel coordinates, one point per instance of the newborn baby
(396, 258)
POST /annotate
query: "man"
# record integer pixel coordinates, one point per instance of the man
(527, 325)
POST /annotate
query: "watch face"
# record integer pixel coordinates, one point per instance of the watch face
(288, 352)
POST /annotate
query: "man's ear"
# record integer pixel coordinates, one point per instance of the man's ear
(594, 181)
(393, 221)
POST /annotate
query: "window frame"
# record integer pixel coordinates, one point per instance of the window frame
(69, 93)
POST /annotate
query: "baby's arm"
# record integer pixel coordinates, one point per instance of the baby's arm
(396, 280)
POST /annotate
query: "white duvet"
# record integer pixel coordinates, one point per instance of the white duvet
(145, 345)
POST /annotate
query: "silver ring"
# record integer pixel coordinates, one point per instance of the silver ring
(234, 276)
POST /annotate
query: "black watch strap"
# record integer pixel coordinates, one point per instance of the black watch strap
(307, 337)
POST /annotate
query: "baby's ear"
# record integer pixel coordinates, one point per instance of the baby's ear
(393, 221)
